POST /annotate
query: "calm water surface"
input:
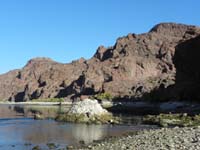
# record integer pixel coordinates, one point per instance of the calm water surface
(19, 131)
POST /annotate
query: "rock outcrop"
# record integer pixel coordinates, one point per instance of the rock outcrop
(87, 106)
(159, 65)
(87, 111)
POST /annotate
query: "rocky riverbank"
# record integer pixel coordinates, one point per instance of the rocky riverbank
(165, 138)
(172, 120)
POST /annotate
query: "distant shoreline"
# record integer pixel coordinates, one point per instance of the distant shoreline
(35, 103)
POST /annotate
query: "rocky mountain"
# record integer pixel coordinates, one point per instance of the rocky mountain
(162, 64)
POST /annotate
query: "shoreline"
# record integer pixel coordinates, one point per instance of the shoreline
(158, 138)
(146, 107)
(134, 107)
(163, 138)
(35, 103)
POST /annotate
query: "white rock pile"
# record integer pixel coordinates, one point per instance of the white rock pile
(87, 106)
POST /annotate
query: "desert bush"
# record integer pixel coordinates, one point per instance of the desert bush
(104, 96)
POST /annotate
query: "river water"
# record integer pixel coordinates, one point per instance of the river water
(19, 131)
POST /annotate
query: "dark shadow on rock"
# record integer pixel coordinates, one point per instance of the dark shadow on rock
(19, 96)
(187, 63)
(76, 89)
(71, 89)
(187, 79)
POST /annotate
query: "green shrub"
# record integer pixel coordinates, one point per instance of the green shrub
(165, 120)
(104, 96)
(49, 100)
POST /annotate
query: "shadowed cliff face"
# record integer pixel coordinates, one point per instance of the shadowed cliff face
(187, 63)
(161, 64)
(186, 84)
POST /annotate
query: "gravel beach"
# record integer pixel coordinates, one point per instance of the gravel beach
(158, 139)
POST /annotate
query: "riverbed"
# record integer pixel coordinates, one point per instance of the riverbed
(19, 130)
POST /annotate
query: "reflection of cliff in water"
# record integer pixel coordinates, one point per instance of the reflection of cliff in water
(47, 131)
(21, 130)
(44, 131)
(10, 111)
(28, 111)
(88, 133)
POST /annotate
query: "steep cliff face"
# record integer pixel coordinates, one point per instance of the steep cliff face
(161, 64)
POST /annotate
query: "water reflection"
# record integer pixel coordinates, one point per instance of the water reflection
(17, 128)
(40, 132)
(28, 111)
(9, 111)
(89, 133)
(46, 131)
(49, 131)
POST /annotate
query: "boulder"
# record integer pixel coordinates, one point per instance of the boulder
(87, 111)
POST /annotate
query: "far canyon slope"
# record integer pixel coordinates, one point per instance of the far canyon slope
(160, 65)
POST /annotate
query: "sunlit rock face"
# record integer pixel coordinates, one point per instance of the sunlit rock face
(160, 64)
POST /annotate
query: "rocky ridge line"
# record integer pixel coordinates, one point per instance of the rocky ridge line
(160, 65)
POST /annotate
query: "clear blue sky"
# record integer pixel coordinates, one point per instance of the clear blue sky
(69, 29)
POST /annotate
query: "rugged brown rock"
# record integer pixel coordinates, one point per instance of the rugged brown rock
(162, 64)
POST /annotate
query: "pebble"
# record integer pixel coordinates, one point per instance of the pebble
(164, 138)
